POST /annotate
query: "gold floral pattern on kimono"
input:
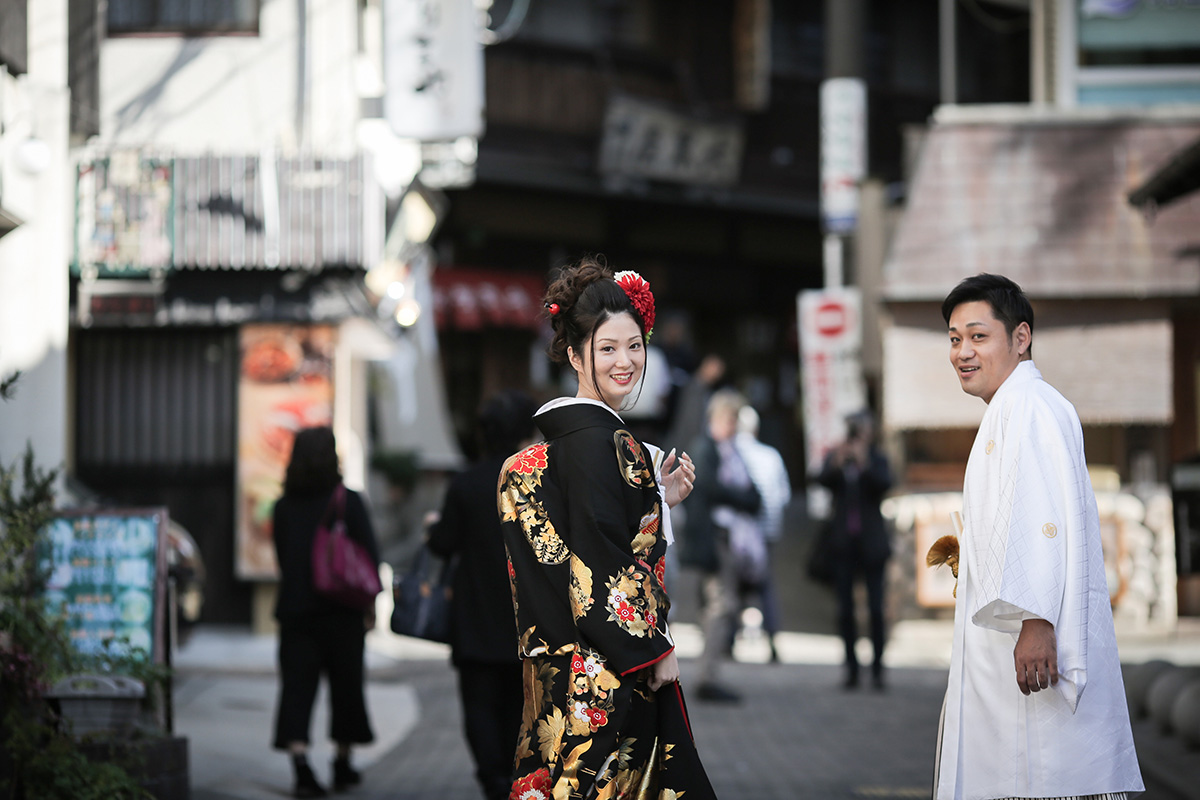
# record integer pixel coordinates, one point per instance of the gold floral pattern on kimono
(632, 602)
(647, 535)
(519, 478)
(631, 461)
(581, 588)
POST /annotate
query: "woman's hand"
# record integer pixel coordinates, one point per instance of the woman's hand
(679, 475)
(664, 671)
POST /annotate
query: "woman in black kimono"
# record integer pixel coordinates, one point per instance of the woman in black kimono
(586, 529)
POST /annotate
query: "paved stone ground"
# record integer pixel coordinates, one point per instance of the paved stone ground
(796, 734)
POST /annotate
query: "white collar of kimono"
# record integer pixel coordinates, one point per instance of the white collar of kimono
(1024, 371)
(570, 401)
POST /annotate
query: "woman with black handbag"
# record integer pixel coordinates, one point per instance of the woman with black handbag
(316, 633)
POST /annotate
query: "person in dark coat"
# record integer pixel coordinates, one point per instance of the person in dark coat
(316, 634)
(483, 632)
(858, 474)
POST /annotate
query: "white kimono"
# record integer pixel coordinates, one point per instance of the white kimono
(1031, 547)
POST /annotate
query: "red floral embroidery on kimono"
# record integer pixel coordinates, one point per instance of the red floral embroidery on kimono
(530, 459)
(532, 787)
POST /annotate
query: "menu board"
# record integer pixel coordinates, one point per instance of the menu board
(107, 575)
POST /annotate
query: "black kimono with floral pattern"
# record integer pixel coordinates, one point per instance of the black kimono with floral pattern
(581, 514)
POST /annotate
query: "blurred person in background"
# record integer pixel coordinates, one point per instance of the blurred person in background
(770, 477)
(723, 507)
(316, 634)
(858, 474)
(483, 631)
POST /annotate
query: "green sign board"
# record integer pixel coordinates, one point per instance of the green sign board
(107, 574)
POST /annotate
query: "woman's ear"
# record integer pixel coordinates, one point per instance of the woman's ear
(574, 359)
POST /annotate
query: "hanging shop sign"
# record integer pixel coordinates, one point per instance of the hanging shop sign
(646, 140)
(433, 68)
(843, 151)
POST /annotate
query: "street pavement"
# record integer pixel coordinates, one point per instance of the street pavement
(796, 733)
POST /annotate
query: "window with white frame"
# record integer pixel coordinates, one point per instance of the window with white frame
(189, 17)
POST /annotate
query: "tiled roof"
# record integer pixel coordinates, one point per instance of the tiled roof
(1044, 201)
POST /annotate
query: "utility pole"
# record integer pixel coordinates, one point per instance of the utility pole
(843, 131)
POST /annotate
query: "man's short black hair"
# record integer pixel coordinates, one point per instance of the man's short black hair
(1009, 304)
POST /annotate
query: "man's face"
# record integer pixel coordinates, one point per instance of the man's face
(981, 351)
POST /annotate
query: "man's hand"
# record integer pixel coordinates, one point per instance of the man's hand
(664, 671)
(1036, 656)
(677, 482)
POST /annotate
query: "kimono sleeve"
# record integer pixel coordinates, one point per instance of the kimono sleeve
(1034, 550)
(616, 601)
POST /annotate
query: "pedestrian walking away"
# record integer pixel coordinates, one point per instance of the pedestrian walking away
(1035, 706)
(483, 632)
(586, 525)
(318, 635)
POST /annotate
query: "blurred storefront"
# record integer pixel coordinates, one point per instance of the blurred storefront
(1042, 198)
(218, 307)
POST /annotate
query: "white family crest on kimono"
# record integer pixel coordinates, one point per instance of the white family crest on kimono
(1031, 548)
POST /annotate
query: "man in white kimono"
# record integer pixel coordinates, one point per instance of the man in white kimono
(1031, 583)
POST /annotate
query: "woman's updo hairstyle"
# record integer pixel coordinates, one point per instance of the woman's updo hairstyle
(585, 295)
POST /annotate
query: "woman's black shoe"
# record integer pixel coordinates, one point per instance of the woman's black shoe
(344, 775)
(306, 781)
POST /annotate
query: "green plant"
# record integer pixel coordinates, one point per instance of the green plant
(43, 760)
(400, 467)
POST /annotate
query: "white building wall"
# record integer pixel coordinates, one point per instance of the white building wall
(290, 87)
(34, 256)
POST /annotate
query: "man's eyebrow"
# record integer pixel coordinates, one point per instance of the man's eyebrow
(969, 324)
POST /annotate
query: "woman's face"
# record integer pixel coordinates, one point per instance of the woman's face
(619, 356)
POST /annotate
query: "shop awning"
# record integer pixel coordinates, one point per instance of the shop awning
(1114, 365)
(1043, 199)
(140, 213)
(473, 299)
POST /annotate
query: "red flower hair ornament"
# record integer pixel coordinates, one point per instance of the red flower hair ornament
(640, 295)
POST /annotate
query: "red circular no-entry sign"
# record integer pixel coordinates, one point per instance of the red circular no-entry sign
(832, 318)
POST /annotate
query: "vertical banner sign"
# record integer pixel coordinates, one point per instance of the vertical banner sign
(107, 574)
(843, 151)
(830, 366)
(433, 68)
(286, 384)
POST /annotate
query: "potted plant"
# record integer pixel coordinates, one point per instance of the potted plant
(41, 756)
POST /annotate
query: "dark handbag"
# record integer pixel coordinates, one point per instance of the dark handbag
(821, 556)
(342, 568)
(422, 598)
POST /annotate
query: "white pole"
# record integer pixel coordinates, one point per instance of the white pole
(834, 253)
